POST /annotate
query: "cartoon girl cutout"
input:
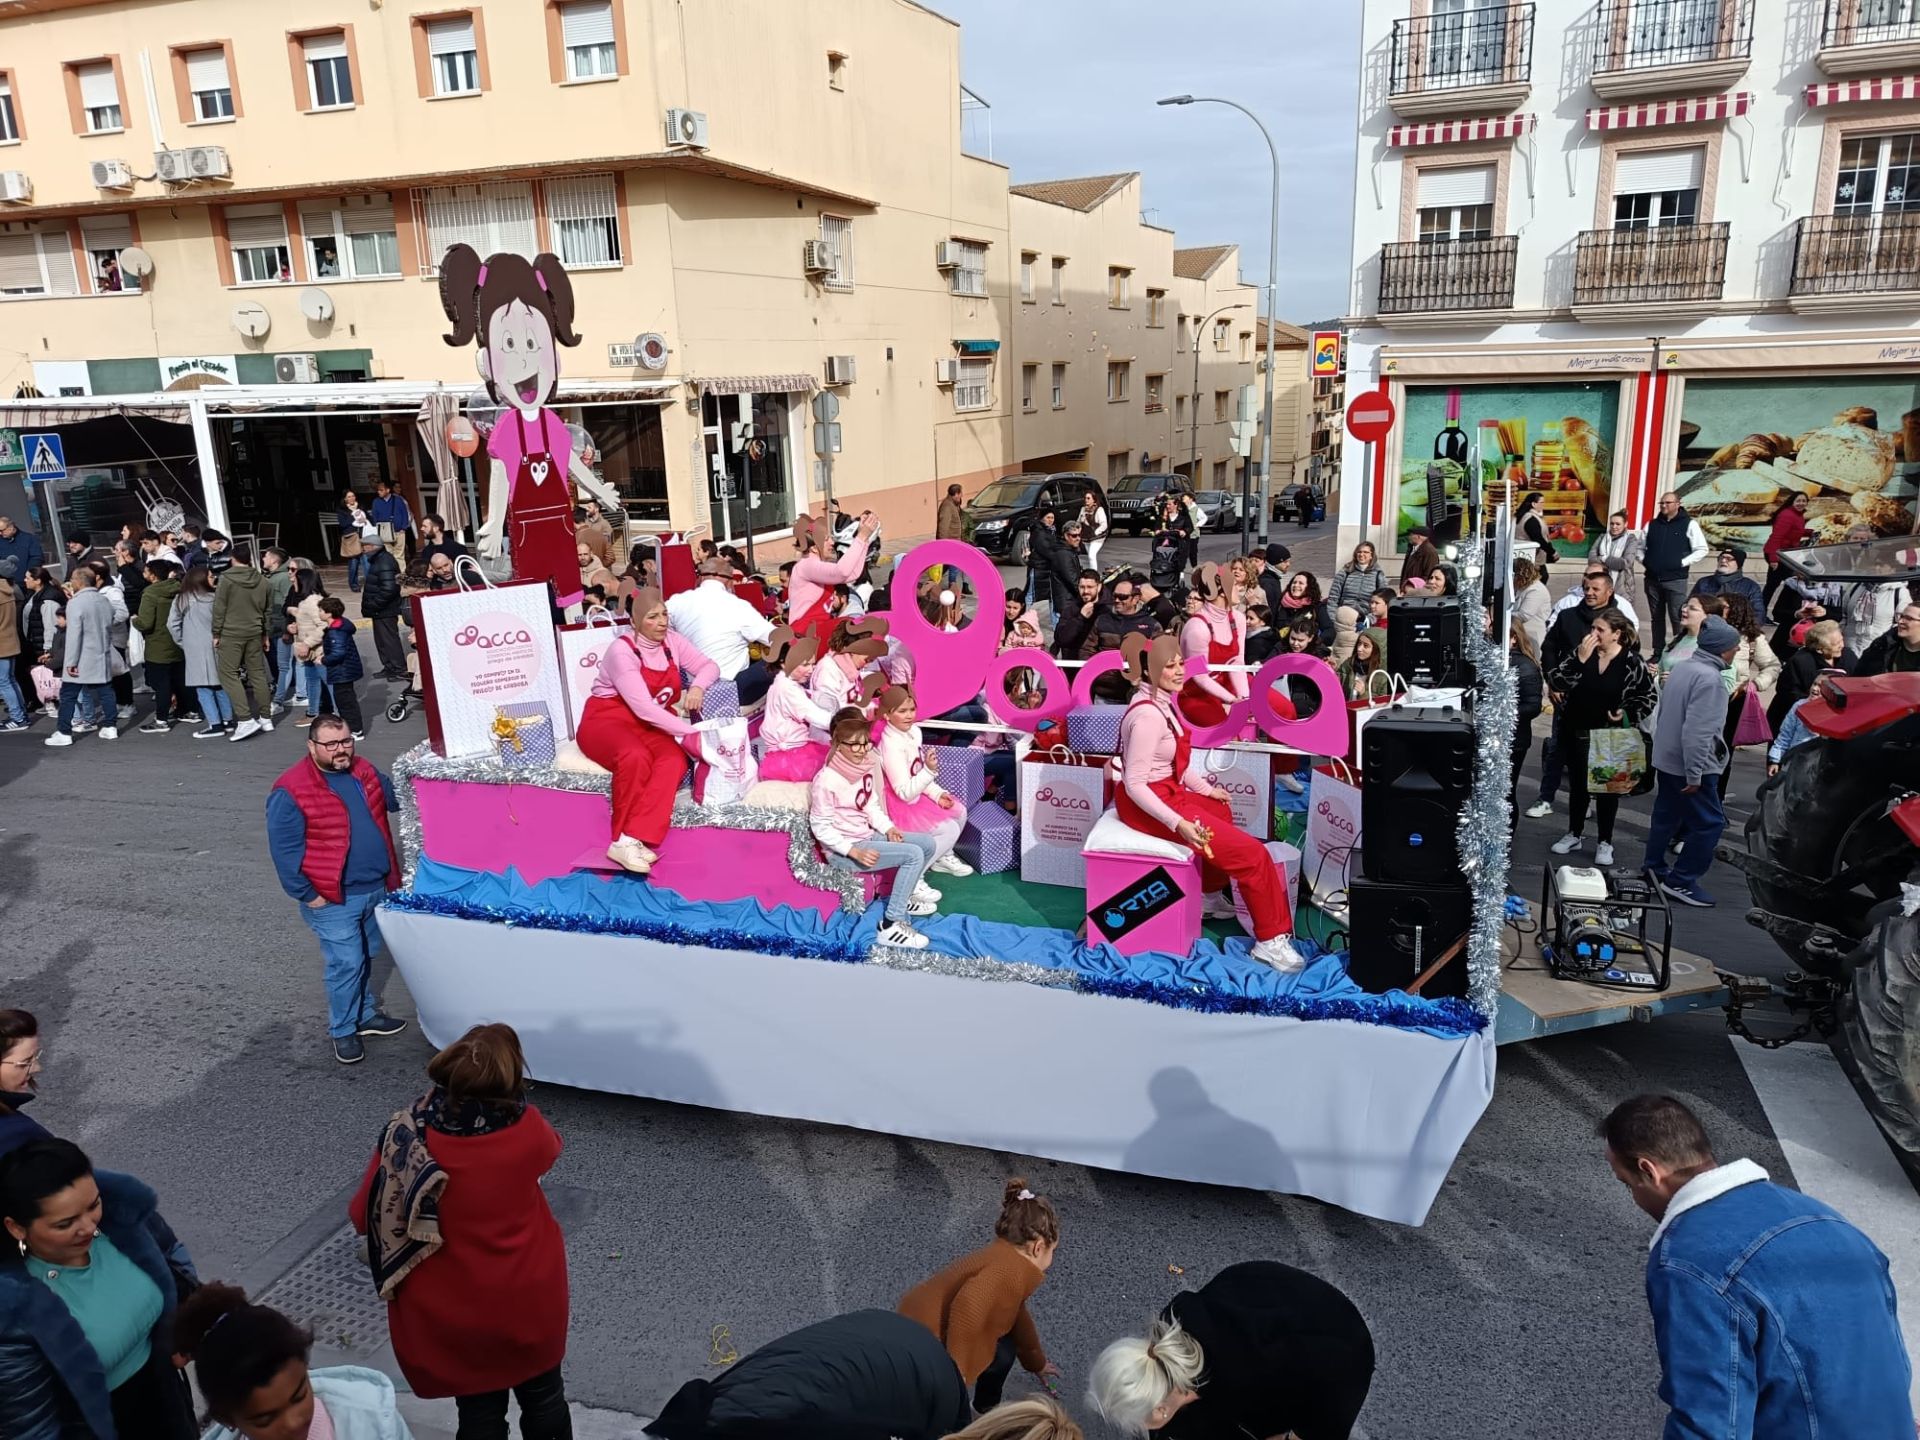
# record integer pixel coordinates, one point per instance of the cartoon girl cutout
(521, 312)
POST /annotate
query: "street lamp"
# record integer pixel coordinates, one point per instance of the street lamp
(1273, 267)
(1193, 451)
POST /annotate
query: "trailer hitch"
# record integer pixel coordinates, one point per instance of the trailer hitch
(1811, 1000)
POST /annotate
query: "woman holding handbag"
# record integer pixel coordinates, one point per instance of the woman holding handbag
(1755, 668)
(353, 525)
(1607, 687)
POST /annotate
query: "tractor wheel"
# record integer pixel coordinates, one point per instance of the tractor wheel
(1880, 1024)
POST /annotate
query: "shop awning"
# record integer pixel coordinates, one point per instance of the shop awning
(1461, 132)
(977, 347)
(1854, 92)
(1650, 114)
(350, 397)
(754, 384)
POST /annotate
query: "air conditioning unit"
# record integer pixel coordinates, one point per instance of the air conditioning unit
(817, 258)
(946, 372)
(171, 166)
(112, 175)
(208, 162)
(946, 255)
(16, 187)
(687, 129)
(839, 369)
(296, 369)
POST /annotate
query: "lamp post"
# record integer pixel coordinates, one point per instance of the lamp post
(1273, 267)
(1193, 450)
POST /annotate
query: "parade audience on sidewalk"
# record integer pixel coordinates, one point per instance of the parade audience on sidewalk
(19, 1078)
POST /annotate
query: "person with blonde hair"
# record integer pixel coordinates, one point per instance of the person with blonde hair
(1261, 1350)
(1041, 1418)
(978, 1304)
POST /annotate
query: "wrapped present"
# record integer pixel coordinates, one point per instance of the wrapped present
(523, 733)
(721, 702)
(962, 771)
(1095, 728)
(989, 841)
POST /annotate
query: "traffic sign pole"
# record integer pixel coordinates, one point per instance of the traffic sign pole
(826, 440)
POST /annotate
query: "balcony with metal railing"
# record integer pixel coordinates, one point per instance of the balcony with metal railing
(1856, 262)
(1869, 37)
(1447, 277)
(1670, 47)
(1669, 268)
(1474, 62)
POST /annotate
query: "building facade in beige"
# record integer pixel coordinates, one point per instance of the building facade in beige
(1214, 362)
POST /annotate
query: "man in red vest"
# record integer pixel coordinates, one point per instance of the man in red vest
(327, 828)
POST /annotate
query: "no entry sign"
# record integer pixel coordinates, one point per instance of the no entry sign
(1370, 417)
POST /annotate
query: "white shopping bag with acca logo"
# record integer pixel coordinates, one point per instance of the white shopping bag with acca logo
(581, 647)
(1333, 832)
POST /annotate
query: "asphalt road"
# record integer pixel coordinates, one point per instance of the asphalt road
(182, 999)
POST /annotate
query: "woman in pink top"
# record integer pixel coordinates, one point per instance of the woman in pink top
(814, 577)
(786, 730)
(1219, 635)
(1165, 794)
(634, 724)
(847, 812)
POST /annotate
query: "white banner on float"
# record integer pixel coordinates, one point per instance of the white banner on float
(481, 649)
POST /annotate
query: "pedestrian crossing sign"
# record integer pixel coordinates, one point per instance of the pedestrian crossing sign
(46, 457)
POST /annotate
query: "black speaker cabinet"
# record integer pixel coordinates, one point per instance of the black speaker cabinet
(1396, 931)
(1416, 771)
(1424, 640)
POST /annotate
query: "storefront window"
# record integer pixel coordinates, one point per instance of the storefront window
(632, 455)
(768, 476)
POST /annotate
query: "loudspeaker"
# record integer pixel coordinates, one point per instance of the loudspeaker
(1416, 771)
(1396, 931)
(1424, 640)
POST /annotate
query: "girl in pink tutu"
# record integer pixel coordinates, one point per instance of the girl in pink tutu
(915, 800)
(792, 717)
(837, 680)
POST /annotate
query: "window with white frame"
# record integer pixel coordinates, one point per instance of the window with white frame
(1455, 203)
(1156, 394)
(36, 259)
(9, 124)
(1029, 377)
(586, 30)
(329, 72)
(1118, 374)
(1059, 387)
(836, 232)
(103, 237)
(490, 218)
(1878, 174)
(99, 97)
(1657, 189)
(210, 84)
(1059, 280)
(1221, 330)
(453, 55)
(969, 277)
(257, 236)
(352, 238)
(1119, 287)
(583, 212)
(1156, 308)
(974, 388)
(1027, 257)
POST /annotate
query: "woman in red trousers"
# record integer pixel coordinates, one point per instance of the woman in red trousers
(1163, 793)
(634, 724)
(477, 1307)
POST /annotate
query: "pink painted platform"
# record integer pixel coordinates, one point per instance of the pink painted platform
(543, 833)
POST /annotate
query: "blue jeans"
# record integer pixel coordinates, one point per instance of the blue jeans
(349, 938)
(1695, 820)
(101, 706)
(1000, 774)
(284, 669)
(214, 704)
(316, 686)
(10, 695)
(354, 563)
(909, 857)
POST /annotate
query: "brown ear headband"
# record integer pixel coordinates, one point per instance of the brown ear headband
(1144, 657)
(867, 636)
(1210, 581)
(793, 650)
(878, 686)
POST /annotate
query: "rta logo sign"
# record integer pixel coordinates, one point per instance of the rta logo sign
(491, 640)
(1062, 802)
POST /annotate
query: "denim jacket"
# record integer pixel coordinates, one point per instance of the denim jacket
(1773, 1316)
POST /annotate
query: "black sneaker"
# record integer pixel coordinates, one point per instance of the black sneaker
(382, 1025)
(155, 727)
(209, 732)
(348, 1050)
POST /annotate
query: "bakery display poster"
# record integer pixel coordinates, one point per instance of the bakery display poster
(1851, 444)
(1554, 438)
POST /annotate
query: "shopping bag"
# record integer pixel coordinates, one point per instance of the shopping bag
(1247, 777)
(46, 684)
(1378, 701)
(725, 768)
(582, 647)
(350, 546)
(1062, 795)
(1333, 832)
(1752, 727)
(1616, 761)
(482, 647)
(137, 649)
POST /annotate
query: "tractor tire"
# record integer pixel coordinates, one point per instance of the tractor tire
(1880, 1024)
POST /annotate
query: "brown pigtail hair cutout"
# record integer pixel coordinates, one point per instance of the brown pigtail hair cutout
(1133, 653)
(552, 277)
(873, 686)
(867, 636)
(460, 293)
(1209, 579)
(793, 650)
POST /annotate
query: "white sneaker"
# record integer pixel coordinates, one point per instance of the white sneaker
(951, 864)
(1292, 782)
(1218, 906)
(109, 732)
(917, 906)
(245, 730)
(926, 892)
(124, 714)
(1280, 954)
(1603, 857)
(1567, 844)
(59, 739)
(1539, 810)
(898, 932)
(630, 855)
(264, 723)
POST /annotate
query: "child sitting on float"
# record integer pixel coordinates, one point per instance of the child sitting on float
(786, 732)
(847, 812)
(915, 798)
(837, 677)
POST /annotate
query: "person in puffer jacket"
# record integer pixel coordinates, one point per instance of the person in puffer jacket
(340, 654)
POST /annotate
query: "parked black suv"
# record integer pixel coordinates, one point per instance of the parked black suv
(1002, 516)
(1134, 501)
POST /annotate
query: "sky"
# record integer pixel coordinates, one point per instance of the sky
(1072, 85)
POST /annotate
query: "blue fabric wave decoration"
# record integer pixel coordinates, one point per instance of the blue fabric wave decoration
(1213, 979)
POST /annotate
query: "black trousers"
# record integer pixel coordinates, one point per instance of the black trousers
(167, 681)
(346, 705)
(993, 1380)
(543, 1411)
(154, 1405)
(1606, 807)
(392, 649)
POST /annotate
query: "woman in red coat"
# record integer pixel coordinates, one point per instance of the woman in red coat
(1788, 532)
(463, 1246)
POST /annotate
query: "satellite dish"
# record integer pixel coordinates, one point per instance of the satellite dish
(250, 318)
(136, 262)
(316, 304)
(651, 351)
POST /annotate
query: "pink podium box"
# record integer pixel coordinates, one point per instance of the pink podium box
(1121, 867)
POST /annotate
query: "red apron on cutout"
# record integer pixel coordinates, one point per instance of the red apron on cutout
(540, 520)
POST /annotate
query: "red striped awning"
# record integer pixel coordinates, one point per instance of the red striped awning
(1852, 92)
(1459, 132)
(1651, 113)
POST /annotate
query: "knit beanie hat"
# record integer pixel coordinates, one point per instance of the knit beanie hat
(1717, 636)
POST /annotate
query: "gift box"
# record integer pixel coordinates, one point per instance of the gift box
(989, 841)
(1095, 728)
(523, 733)
(962, 772)
(721, 701)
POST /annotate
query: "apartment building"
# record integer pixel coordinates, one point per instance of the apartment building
(221, 225)
(1604, 250)
(1214, 359)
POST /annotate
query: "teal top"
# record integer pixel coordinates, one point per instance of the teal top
(113, 1301)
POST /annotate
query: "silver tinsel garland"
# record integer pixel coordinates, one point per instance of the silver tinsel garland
(1486, 833)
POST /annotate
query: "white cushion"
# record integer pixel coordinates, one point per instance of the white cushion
(780, 794)
(572, 758)
(1113, 836)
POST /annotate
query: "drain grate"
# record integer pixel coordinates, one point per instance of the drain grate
(332, 1292)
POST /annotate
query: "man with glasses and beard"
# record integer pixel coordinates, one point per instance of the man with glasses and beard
(1898, 650)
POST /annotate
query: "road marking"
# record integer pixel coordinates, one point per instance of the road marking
(1839, 1157)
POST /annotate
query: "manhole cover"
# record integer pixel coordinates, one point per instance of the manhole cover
(332, 1292)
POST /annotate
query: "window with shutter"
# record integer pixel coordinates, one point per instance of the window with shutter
(257, 236)
(37, 260)
(490, 218)
(1654, 188)
(974, 389)
(99, 97)
(329, 72)
(582, 212)
(351, 239)
(970, 276)
(454, 56)
(103, 237)
(586, 30)
(210, 84)
(1456, 203)
(9, 124)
